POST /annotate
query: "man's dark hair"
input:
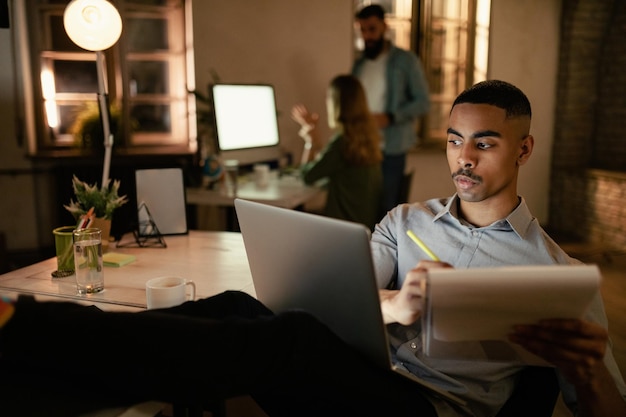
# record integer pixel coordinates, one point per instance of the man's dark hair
(371, 10)
(497, 93)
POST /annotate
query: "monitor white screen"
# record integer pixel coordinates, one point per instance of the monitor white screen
(246, 125)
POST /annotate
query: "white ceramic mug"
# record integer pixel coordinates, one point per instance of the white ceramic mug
(163, 292)
(261, 175)
(231, 178)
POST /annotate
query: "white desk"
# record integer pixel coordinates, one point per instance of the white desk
(215, 261)
(286, 191)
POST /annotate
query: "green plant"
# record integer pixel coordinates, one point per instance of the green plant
(104, 200)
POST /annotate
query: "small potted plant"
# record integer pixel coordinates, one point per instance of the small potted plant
(97, 202)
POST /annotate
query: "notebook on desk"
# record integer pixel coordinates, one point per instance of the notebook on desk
(321, 265)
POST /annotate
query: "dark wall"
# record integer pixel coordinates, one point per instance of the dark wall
(588, 184)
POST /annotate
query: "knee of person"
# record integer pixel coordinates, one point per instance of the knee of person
(244, 304)
(236, 295)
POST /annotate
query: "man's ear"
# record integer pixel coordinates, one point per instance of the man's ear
(525, 149)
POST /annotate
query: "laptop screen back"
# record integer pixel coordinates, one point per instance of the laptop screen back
(317, 264)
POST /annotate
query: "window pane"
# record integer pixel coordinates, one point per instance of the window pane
(438, 118)
(154, 118)
(67, 117)
(400, 32)
(59, 39)
(148, 77)
(75, 76)
(450, 9)
(147, 35)
(454, 79)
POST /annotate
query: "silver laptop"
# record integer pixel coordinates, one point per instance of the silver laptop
(323, 266)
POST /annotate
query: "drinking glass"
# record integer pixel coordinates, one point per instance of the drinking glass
(88, 260)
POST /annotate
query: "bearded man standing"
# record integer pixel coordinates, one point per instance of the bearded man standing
(397, 94)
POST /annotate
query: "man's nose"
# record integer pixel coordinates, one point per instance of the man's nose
(467, 157)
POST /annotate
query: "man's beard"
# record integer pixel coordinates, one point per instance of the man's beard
(374, 48)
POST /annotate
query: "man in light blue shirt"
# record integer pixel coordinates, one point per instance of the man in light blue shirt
(487, 224)
(397, 94)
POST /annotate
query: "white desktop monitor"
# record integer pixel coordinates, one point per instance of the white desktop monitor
(246, 124)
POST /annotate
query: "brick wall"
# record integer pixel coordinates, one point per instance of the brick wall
(588, 184)
(606, 210)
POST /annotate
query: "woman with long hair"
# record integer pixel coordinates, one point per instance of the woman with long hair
(350, 161)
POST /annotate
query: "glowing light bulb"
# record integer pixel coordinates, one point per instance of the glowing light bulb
(94, 25)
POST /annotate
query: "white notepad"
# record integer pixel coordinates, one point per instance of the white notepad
(483, 304)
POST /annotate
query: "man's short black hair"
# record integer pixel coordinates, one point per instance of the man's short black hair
(497, 93)
(371, 10)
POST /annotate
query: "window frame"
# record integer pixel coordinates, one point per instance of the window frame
(35, 51)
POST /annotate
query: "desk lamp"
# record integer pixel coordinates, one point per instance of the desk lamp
(95, 25)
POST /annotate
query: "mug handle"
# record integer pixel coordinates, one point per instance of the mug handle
(192, 285)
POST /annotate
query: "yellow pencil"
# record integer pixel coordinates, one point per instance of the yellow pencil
(422, 246)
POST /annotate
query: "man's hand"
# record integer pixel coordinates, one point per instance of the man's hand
(404, 306)
(574, 346)
(382, 120)
(577, 349)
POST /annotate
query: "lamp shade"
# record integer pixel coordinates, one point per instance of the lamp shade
(94, 25)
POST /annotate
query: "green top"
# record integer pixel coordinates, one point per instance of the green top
(354, 192)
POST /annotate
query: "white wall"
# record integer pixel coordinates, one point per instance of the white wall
(524, 42)
(524, 45)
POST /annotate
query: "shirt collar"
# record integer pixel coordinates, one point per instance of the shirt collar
(519, 219)
(449, 208)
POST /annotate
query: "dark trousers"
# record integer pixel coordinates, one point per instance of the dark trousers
(81, 358)
(393, 170)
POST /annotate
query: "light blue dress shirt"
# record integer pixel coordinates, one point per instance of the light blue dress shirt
(516, 240)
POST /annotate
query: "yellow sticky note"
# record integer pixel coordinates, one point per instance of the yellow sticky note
(117, 259)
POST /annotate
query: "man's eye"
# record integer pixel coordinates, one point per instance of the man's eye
(455, 142)
(482, 145)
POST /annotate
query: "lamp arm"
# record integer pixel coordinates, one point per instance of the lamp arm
(105, 116)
